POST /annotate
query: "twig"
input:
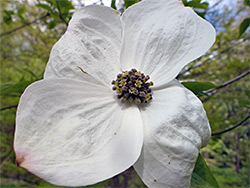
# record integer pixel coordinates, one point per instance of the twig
(210, 91)
(25, 25)
(231, 128)
(8, 107)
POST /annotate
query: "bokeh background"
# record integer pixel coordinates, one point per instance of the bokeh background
(220, 78)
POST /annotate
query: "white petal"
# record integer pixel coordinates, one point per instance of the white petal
(161, 36)
(75, 133)
(91, 42)
(175, 127)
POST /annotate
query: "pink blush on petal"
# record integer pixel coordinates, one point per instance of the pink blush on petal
(22, 159)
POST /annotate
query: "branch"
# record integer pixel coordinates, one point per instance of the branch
(25, 25)
(8, 107)
(210, 91)
(235, 126)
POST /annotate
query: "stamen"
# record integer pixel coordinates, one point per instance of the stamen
(133, 86)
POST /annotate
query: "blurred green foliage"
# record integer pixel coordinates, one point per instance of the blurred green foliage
(28, 32)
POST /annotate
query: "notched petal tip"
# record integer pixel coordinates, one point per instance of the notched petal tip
(21, 159)
(17, 163)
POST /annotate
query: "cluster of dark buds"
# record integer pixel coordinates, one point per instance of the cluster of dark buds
(133, 86)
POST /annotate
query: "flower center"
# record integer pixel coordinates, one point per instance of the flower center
(133, 86)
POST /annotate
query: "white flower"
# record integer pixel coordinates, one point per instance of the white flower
(71, 129)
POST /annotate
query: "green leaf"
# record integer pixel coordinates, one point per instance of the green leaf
(244, 25)
(202, 176)
(20, 13)
(247, 2)
(53, 23)
(185, 2)
(64, 6)
(44, 6)
(113, 4)
(198, 87)
(52, 2)
(8, 16)
(14, 88)
(7, 19)
(201, 14)
(198, 4)
(31, 73)
(41, 75)
(128, 3)
(5, 85)
(9, 12)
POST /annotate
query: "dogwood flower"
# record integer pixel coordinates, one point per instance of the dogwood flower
(73, 130)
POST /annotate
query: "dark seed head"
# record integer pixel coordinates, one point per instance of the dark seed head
(132, 86)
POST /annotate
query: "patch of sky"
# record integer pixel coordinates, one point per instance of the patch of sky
(228, 9)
